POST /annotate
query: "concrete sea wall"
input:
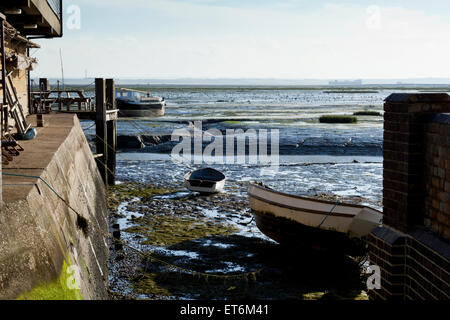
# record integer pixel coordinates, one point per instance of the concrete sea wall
(47, 250)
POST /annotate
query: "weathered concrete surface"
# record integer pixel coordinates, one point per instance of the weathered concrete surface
(39, 235)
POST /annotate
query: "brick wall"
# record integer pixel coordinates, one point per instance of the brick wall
(412, 247)
(437, 175)
(414, 266)
(406, 116)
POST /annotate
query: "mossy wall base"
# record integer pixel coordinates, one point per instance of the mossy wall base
(43, 249)
(64, 288)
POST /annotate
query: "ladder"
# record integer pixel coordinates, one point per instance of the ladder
(15, 108)
(10, 147)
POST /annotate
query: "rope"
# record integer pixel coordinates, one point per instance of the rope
(133, 122)
(80, 88)
(108, 169)
(90, 127)
(329, 214)
(47, 184)
(247, 224)
(109, 146)
(85, 87)
(145, 255)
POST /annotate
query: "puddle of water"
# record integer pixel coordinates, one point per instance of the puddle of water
(230, 268)
(173, 196)
(177, 253)
(126, 216)
(210, 243)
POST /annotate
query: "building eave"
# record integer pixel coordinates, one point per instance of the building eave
(33, 12)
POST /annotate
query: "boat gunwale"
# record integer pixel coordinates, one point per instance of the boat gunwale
(140, 103)
(142, 107)
(132, 90)
(323, 213)
(309, 199)
(215, 181)
(188, 175)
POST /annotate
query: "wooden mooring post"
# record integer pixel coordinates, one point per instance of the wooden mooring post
(111, 128)
(106, 117)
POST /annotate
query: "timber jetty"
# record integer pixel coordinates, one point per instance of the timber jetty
(52, 188)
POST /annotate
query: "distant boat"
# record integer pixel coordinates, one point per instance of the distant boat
(206, 181)
(295, 220)
(135, 103)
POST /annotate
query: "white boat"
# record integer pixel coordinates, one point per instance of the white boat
(290, 219)
(135, 103)
(206, 181)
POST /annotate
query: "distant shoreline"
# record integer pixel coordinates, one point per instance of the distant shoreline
(405, 82)
(327, 89)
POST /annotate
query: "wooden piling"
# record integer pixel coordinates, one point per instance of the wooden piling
(4, 101)
(40, 120)
(111, 132)
(4, 111)
(101, 128)
(59, 99)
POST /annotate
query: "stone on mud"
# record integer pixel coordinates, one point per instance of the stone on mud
(130, 142)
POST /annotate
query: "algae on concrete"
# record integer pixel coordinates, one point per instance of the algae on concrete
(58, 290)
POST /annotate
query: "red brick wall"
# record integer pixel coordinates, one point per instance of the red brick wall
(412, 248)
(404, 188)
(414, 266)
(437, 175)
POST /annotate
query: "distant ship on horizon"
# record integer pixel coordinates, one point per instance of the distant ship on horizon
(346, 83)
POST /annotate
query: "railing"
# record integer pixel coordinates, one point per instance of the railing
(57, 7)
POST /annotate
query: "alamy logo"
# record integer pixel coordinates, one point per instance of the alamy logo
(374, 281)
(74, 17)
(373, 20)
(74, 278)
(190, 149)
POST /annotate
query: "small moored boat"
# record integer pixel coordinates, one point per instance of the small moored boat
(207, 181)
(295, 220)
(135, 103)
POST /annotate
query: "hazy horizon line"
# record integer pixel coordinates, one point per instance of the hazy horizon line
(267, 78)
(263, 81)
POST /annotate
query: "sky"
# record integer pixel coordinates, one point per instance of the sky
(282, 39)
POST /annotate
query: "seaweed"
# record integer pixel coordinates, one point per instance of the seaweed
(338, 119)
(368, 113)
